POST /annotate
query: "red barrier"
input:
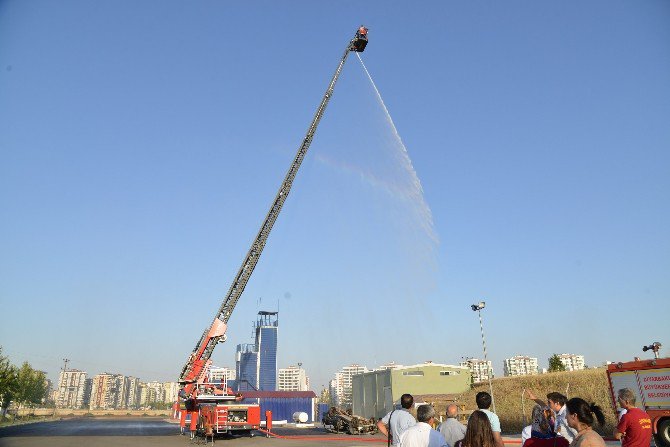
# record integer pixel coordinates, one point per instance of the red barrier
(268, 420)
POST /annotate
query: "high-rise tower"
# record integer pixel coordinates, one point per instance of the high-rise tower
(256, 364)
(267, 326)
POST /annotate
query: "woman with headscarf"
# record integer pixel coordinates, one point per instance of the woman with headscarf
(542, 432)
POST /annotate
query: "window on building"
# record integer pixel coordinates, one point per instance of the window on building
(449, 373)
(412, 373)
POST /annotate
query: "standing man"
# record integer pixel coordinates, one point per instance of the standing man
(634, 428)
(397, 421)
(556, 403)
(484, 400)
(422, 433)
(451, 429)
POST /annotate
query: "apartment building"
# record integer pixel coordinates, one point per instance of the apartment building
(71, 389)
(108, 391)
(292, 378)
(572, 362)
(520, 365)
(480, 370)
(340, 386)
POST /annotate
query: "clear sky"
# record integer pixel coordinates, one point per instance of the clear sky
(141, 144)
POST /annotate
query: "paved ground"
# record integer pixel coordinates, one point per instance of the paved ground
(149, 432)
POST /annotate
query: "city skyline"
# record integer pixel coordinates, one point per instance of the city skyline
(515, 154)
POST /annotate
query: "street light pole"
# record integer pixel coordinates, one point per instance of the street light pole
(478, 307)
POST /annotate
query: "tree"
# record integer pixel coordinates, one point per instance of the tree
(8, 383)
(555, 363)
(324, 397)
(31, 385)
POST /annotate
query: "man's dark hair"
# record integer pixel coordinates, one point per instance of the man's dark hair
(558, 398)
(483, 400)
(406, 401)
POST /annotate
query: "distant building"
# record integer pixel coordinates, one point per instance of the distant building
(267, 326)
(480, 370)
(572, 362)
(88, 388)
(147, 395)
(106, 391)
(375, 393)
(292, 378)
(223, 375)
(71, 388)
(132, 393)
(520, 365)
(256, 364)
(340, 386)
(390, 365)
(158, 391)
(171, 389)
(246, 367)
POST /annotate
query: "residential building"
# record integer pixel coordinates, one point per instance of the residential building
(223, 375)
(88, 388)
(147, 395)
(572, 362)
(171, 389)
(103, 391)
(520, 365)
(340, 390)
(132, 393)
(110, 391)
(158, 391)
(480, 370)
(292, 378)
(71, 388)
(377, 392)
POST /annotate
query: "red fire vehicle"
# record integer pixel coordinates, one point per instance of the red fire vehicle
(650, 381)
(212, 408)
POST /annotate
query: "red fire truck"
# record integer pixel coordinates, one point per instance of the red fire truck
(214, 408)
(650, 381)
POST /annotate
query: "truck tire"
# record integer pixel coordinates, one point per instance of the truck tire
(662, 436)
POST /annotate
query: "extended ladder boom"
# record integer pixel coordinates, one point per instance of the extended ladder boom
(195, 367)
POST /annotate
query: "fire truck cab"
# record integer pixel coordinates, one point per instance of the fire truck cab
(650, 381)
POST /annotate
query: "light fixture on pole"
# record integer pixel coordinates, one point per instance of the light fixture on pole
(478, 308)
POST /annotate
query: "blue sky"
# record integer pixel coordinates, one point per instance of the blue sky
(141, 144)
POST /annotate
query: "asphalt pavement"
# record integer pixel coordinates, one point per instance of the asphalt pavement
(150, 432)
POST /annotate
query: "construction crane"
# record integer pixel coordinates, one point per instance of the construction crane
(193, 376)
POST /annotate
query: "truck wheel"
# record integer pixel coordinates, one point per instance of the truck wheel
(662, 437)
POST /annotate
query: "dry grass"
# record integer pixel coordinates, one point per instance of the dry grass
(591, 385)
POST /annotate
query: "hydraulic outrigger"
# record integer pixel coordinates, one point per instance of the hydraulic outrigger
(194, 400)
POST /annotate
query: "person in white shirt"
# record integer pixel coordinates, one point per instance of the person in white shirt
(556, 403)
(423, 434)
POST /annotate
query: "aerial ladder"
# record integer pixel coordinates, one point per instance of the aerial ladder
(215, 409)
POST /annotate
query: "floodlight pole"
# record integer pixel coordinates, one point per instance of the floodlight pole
(479, 308)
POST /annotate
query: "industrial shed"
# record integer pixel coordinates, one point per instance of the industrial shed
(282, 403)
(375, 393)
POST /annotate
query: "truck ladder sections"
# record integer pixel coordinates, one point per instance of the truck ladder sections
(195, 367)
